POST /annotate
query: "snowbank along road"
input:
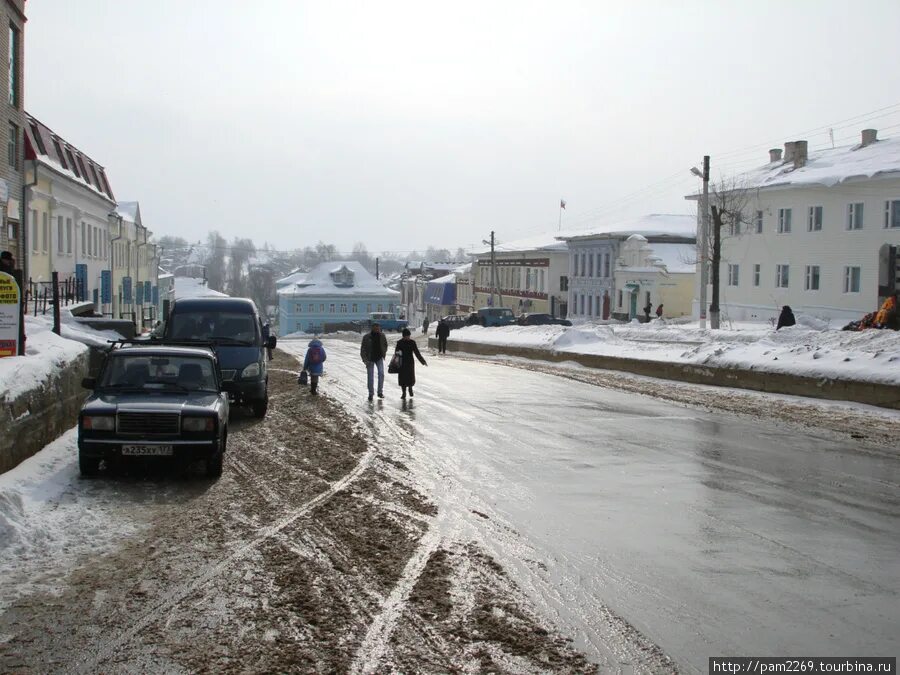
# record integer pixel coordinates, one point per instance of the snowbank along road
(504, 520)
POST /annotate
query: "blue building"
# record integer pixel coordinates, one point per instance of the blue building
(332, 294)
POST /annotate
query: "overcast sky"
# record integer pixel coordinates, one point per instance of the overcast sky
(404, 124)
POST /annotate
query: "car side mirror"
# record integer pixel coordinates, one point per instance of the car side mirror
(89, 382)
(271, 342)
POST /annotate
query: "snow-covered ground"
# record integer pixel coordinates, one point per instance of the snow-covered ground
(45, 353)
(811, 348)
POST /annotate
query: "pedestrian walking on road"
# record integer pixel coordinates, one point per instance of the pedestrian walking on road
(425, 327)
(313, 364)
(647, 311)
(407, 348)
(659, 311)
(372, 351)
(786, 318)
(442, 332)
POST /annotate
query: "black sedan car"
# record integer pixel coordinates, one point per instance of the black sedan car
(154, 401)
(456, 320)
(541, 320)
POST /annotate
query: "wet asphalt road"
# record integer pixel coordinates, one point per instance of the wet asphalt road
(709, 534)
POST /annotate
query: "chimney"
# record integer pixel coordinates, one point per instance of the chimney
(869, 136)
(800, 154)
(775, 155)
(789, 151)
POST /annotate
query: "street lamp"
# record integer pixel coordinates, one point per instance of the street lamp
(704, 235)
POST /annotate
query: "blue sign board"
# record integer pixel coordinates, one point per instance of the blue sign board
(81, 278)
(148, 292)
(126, 290)
(105, 287)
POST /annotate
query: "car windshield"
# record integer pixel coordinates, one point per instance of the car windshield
(149, 372)
(228, 327)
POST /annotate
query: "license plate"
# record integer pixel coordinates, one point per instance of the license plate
(157, 450)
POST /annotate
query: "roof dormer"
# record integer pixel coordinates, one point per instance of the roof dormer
(343, 277)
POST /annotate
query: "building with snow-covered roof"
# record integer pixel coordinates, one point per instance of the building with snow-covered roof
(331, 295)
(134, 262)
(531, 276)
(820, 233)
(12, 58)
(593, 254)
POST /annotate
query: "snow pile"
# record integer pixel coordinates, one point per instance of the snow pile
(45, 354)
(810, 349)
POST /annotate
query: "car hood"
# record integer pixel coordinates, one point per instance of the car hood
(161, 402)
(237, 357)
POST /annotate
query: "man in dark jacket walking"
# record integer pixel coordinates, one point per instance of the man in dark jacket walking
(442, 332)
(372, 352)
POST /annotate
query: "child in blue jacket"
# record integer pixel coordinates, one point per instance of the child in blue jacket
(313, 363)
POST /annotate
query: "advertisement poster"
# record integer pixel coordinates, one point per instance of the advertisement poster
(9, 315)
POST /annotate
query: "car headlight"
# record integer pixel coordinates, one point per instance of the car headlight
(251, 371)
(98, 422)
(198, 424)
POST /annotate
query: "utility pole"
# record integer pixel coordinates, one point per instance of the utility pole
(376, 268)
(704, 241)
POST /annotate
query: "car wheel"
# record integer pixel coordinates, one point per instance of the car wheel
(260, 407)
(88, 466)
(214, 463)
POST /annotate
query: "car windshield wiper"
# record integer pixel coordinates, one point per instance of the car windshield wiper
(226, 338)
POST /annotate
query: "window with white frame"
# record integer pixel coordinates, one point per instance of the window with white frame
(354, 308)
(756, 274)
(851, 279)
(298, 308)
(814, 219)
(619, 299)
(734, 272)
(542, 280)
(734, 226)
(782, 276)
(855, 216)
(812, 277)
(322, 308)
(331, 308)
(591, 265)
(581, 304)
(892, 213)
(45, 244)
(784, 221)
(60, 237)
(34, 231)
(69, 236)
(311, 308)
(606, 264)
(343, 308)
(759, 222)
(380, 307)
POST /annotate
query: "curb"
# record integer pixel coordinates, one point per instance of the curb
(870, 393)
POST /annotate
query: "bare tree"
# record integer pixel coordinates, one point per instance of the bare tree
(214, 259)
(729, 200)
(240, 253)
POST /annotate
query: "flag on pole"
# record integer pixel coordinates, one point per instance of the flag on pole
(562, 203)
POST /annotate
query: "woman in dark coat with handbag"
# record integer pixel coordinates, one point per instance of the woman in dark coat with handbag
(407, 347)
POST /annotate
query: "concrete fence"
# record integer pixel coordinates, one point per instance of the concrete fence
(882, 395)
(41, 415)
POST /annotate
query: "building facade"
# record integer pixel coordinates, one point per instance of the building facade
(531, 277)
(821, 233)
(642, 278)
(593, 257)
(12, 177)
(331, 297)
(134, 262)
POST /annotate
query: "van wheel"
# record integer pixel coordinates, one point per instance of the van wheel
(88, 466)
(260, 407)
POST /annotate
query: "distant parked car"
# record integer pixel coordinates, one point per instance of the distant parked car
(456, 321)
(496, 316)
(387, 321)
(542, 320)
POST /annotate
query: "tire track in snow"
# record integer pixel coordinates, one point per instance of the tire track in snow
(160, 608)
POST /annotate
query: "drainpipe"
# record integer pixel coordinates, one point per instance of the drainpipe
(137, 274)
(23, 220)
(112, 270)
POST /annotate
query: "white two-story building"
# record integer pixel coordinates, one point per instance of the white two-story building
(820, 233)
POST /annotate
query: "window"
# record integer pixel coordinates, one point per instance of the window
(34, 231)
(59, 153)
(784, 221)
(298, 308)
(39, 141)
(590, 305)
(782, 276)
(83, 240)
(733, 274)
(90, 239)
(734, 227)
(331, 308)
(564, 283)
(814, 222)
(60, 238)
(583, 263)
(83, 172)
(69, 236)
(343, 308)
(369, 308)
(45, 230)
(12, 146)
(759, 222)
(812, 277)
(72, 165)
(591, 265)
(581, 304)
(892, 213)
(620, 299)
(851, 279)
(379, 308)
(13, 66)
(855, 216)
(756, 274)
(322, 308)
(311, 307)
(542, 281)
(606, 260)
(354, 308)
